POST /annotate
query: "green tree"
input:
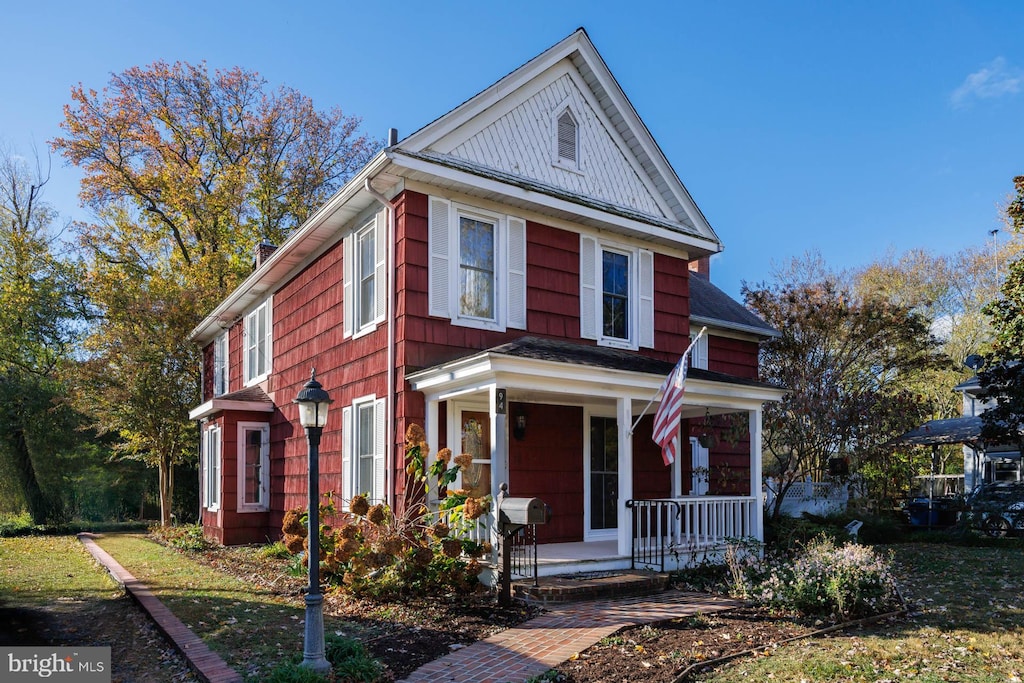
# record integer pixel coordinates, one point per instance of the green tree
(845, 362)
(40, 321)
(1003, 377)
(186, 172)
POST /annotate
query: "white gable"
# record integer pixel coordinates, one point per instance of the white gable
(522, 142)
(507, 137)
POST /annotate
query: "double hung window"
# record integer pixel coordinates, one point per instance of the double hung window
(363, 426)
(257, 343)
(211, 446)
(253, 466)
(616, 294)
(365, 287)
(477, 267)
(220, 365)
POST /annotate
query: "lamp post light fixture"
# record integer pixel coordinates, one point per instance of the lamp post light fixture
(313, 403)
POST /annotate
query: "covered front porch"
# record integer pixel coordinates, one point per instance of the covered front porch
(555, 421)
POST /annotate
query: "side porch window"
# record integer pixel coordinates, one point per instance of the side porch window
(211, 447)
(253, 466)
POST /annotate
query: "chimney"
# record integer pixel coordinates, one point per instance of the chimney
(263, 251)
(702, 266)
(392, 137)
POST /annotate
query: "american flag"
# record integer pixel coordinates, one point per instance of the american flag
(666, 420)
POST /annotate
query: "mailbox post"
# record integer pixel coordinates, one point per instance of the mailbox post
(513, 515)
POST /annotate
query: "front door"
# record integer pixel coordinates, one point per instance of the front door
(602, 482)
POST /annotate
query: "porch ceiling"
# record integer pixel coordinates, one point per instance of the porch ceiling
(536, 369)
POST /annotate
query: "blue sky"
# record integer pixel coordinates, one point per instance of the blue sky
(851, 128)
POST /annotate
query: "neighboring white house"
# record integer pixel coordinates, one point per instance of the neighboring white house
(983, 462)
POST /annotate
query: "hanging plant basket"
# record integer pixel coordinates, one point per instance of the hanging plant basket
(706, 440)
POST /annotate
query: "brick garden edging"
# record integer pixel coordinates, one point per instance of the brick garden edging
(204, 661)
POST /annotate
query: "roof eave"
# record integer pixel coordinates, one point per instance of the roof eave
(290, 255)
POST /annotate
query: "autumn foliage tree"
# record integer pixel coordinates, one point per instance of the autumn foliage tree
(185, 171)
(846, 363)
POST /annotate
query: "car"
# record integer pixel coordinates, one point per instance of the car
(998, 508)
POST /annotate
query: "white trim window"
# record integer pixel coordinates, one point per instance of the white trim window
(258, 343)
(365, 289)
(616, 294)
(253, 466)
(699, 354)
(477, 268)
(220, 365)
(362, 461)
(211, 447)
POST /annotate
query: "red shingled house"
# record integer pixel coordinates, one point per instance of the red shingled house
(519, 277)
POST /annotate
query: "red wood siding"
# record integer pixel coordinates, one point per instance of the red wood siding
(651, 478)
(732, 356)
(548, 464)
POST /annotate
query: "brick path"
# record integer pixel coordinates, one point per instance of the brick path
(530, 649)
(206, 663)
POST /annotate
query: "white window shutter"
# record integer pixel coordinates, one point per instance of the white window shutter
(516, 273)
(588, 287)
(347, 442)
(347, 292)
(380, 240)
(439, 237)
(646, 337)
(379, 447)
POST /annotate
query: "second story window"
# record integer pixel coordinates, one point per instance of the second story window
(615, 311)
(616, 294)
(699, 355)
(220, 365)
(365, 287)
(477, 266)
(257, 343)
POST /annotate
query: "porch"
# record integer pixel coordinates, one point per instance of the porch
(666, 535)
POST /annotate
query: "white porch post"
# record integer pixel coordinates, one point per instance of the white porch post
(624, 417)
(499, 440)
(433, 431)
(757, 514)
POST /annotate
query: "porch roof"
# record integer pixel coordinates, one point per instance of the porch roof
(251, 398)
(559, 367)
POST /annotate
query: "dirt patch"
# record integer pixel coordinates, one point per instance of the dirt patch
(139, 653)
(659, 652)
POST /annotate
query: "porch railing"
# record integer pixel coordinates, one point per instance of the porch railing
(664, 526)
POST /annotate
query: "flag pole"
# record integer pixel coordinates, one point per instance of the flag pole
(649, 403)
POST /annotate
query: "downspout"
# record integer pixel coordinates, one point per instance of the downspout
(389, 456)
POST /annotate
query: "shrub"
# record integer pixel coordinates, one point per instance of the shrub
(188, 538)
(274, 551)
(828, 580)
(351, 661)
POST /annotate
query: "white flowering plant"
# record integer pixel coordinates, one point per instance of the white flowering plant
(826, 579)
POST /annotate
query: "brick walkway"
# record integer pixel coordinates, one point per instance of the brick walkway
(530, 649)
(206, 663)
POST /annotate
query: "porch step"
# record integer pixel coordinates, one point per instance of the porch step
(589, 586)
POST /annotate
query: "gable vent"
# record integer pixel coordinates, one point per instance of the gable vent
(567, 137)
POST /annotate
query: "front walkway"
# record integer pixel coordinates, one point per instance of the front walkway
(532, 648)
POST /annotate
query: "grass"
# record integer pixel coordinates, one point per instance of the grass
(967, 625)
(41, 571)
(252, 629)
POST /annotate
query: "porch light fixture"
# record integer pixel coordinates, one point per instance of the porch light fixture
(313, 403)
(519, 427)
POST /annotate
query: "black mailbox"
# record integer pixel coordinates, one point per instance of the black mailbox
(522, 511)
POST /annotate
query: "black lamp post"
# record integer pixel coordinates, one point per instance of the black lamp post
(313, 403)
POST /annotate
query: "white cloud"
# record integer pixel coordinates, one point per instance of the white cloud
(994, 80)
